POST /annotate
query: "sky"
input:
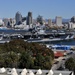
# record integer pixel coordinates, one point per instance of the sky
(45, 8)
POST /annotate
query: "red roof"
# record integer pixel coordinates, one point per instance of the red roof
(58, 54)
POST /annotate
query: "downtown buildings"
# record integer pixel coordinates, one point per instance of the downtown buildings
(28, 21)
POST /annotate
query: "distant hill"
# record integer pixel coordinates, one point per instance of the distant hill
(63, 20)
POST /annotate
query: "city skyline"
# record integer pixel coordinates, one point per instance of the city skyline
(47, 9)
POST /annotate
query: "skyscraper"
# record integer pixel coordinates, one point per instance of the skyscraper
(18, 18)
(73, 19)
(58, 21)
(49, 22)
(29, 18)
(40, 19)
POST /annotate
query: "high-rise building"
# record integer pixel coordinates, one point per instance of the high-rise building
(12, 22)
(1, 22)
(58, 21)
(6, 21)
(70, 25)
(73, 19)
(18, 18)
(9, 22)
(40, 19)
(29, 18)
(49, 22)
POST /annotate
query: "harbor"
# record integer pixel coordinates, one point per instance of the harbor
(37, 37)
(60, 44)
(46, 37)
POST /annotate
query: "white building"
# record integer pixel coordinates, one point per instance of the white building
(22, 26)
(71, 25)
(58, 21)
(1, 22)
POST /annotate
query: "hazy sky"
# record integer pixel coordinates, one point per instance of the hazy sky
(45, 8)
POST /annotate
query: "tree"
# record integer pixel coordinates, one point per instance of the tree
(43, 62)
(2, 64)
(39, 61)
(70, 64)
(11, 59)
(31, 55)
(26, 61)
